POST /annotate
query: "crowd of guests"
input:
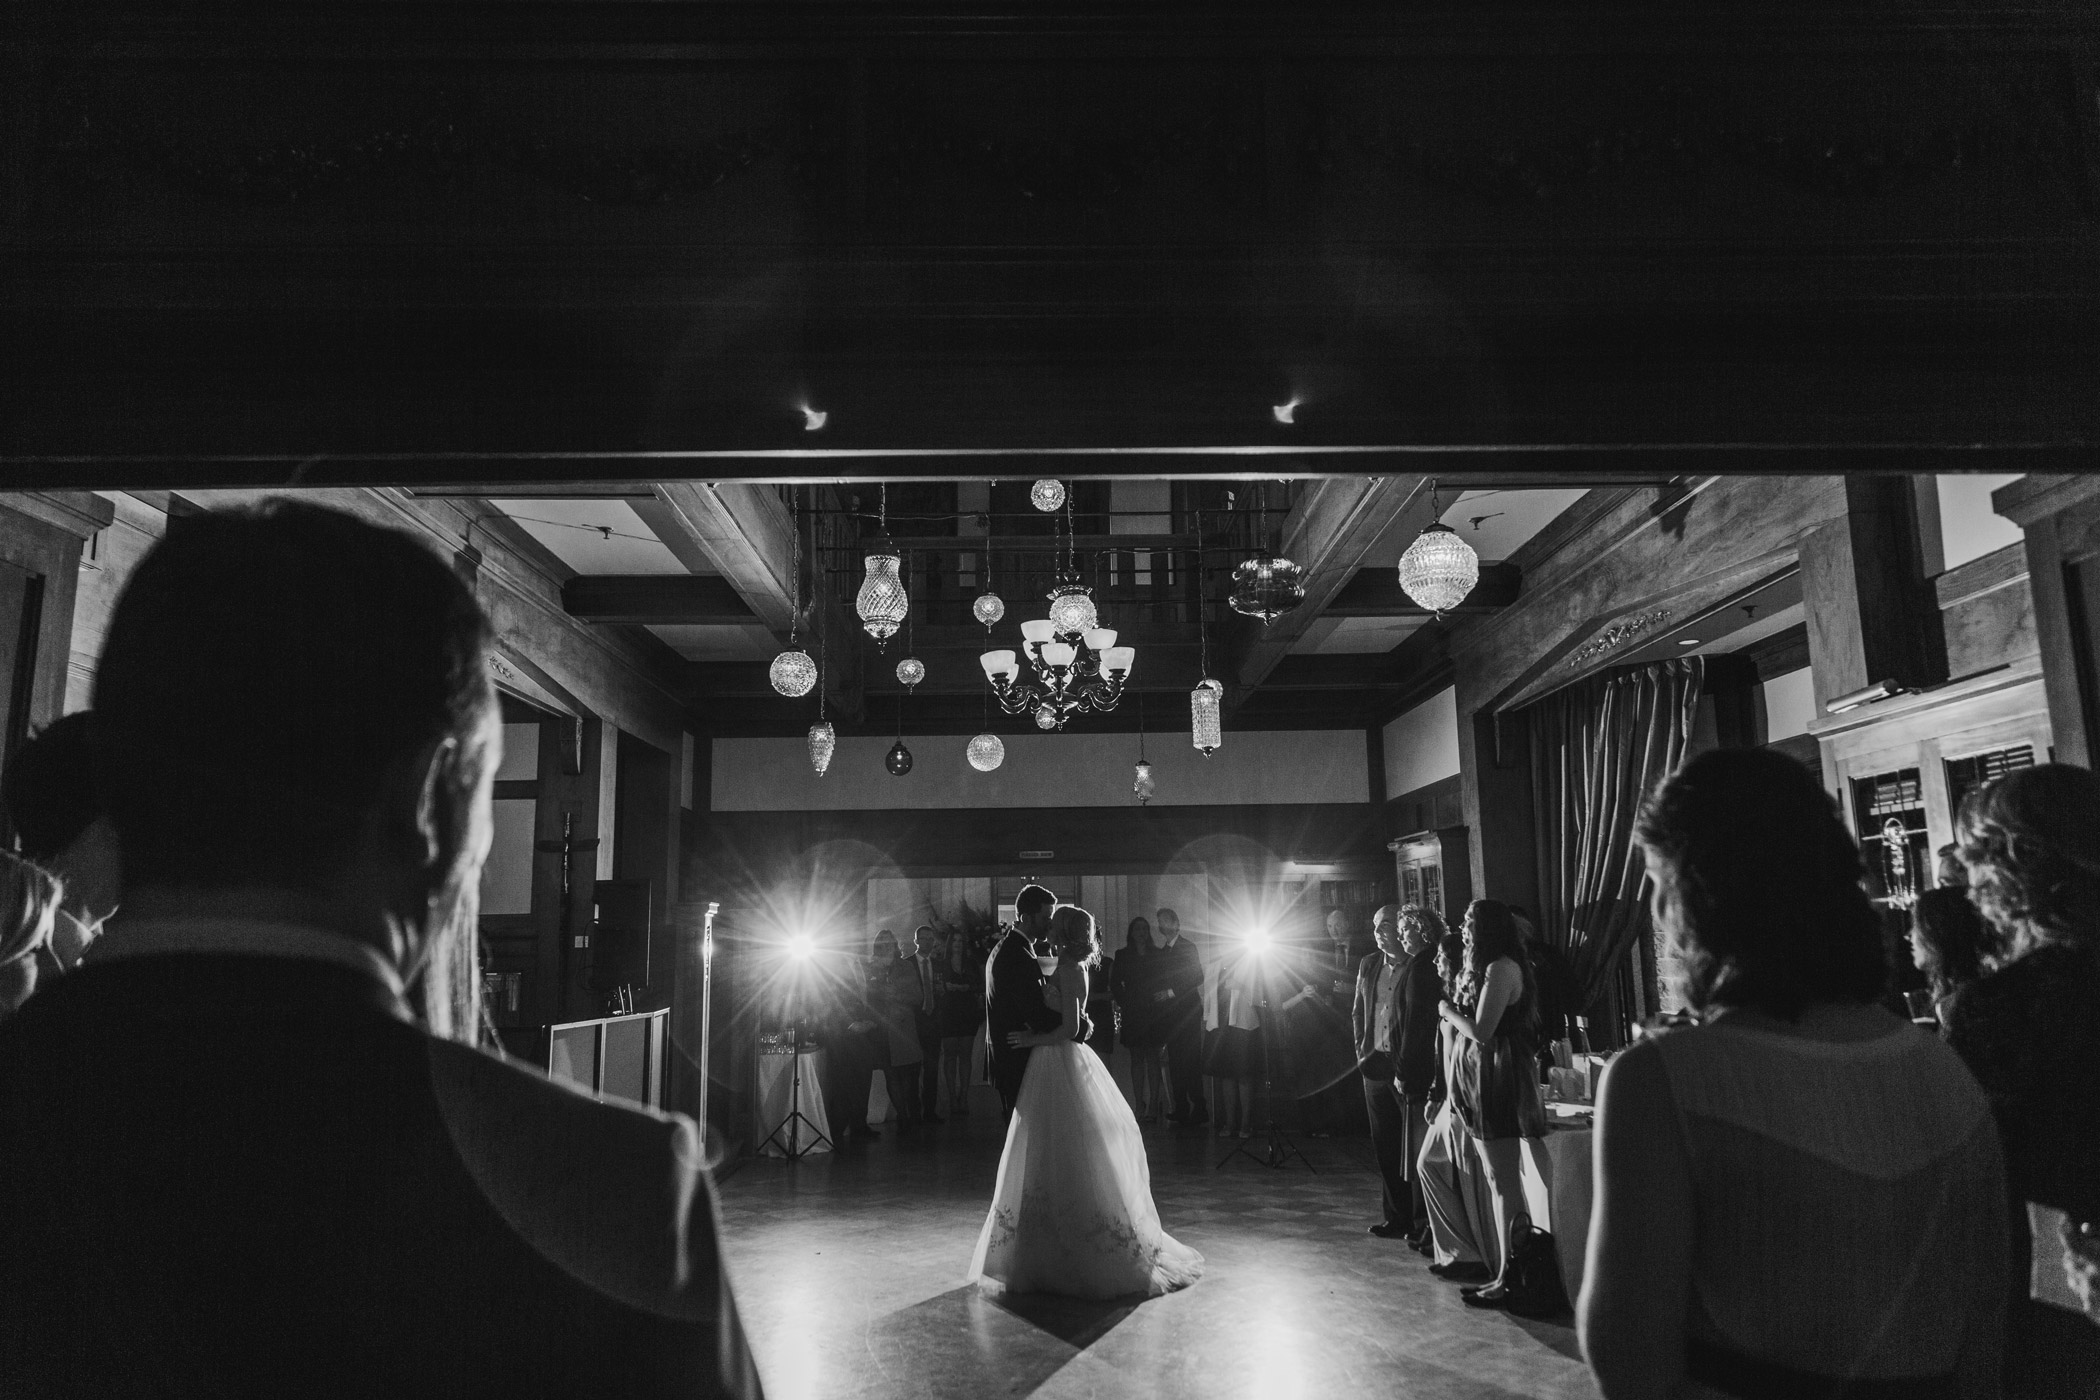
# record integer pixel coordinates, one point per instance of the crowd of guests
(253, 1151)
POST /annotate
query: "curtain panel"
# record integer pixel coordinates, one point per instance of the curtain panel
(1597, 748)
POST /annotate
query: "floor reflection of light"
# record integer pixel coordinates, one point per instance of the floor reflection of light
(1278, 1370)
(794, 1371)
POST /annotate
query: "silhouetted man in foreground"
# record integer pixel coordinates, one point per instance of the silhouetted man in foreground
(237, 1165)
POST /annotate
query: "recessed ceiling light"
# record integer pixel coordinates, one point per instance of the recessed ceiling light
(1688, 641)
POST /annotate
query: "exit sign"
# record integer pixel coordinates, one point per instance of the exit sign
(1038, 855)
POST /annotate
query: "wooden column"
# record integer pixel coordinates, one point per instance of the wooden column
(2061, 518)
(1872, 614)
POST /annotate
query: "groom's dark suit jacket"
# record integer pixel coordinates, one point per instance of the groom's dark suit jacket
(1013, 989)
(244, 1175)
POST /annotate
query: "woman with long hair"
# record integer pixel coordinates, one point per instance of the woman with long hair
(2030, 1032)
(1802, 1194)
(1949, 942)
(1072, 1209)
(1496, 1089)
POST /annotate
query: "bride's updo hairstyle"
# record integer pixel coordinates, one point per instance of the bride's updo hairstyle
(1757, 882)
(1073, 934)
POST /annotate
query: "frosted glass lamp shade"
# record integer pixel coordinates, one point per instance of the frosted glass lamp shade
(1047, 494)
(793, 674)
(822, 740)
(910, 671)
(1142, 783)
(1206, 731)
(988, 609)
(1038, 629)
(882, 603)
(1118, 660)
(1439, 569)
(1059, 653)
(1100, 638)
(987, 751)
(997, 664)
(1072, 610)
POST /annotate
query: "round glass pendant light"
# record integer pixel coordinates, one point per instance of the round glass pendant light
(1205, 730)
(1266, 588)
(1439, 569)
(1072, 609)
(1142, 783)
(988, 609)
(822, 741)
(910, 671)
(793, 674)
(987, 751)
(897, 760)
(1045, 717)
(882, 603)
(1047, 494)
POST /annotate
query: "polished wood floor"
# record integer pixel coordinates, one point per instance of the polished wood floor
(849, 1269)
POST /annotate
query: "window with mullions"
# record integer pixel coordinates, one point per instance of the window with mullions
(1889, 811)
(1965, 775)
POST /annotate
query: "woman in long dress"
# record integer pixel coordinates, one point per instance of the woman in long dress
(1072, 1210)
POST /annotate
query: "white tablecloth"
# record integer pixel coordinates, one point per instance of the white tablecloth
(1563, 1181)
(775, 1090)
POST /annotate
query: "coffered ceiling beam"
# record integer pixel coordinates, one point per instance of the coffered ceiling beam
(655, 598)
(1331, 528)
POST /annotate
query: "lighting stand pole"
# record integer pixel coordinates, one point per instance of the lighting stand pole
(707, 1013)
(1278, 1148)
(792, 1125)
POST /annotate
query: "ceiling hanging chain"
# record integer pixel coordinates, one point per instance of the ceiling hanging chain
(1206, 731)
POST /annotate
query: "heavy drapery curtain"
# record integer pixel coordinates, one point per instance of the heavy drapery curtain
(1597, 748)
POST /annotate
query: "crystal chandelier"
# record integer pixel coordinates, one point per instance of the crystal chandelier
(1205, 732)
(883, 604)
(821, 743)
(1069, 673)
(1439, 569)
(1266, 588)
(1047, 494)
(986, 752)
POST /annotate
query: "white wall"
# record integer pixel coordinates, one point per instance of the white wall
(1790, 703)
(1043, 770)
(1969, 528)
(1421, 747)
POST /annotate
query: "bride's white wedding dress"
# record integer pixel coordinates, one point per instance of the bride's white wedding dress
(1072, 1212)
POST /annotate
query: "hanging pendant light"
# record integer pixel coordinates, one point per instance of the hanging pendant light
(1142, 783)
(988, 609)
(1072, 608)
(1047, 494)
(897, 760)
(910, 671)
(822, 741)
(793, 672)
(882, 603)
(987, 751)
(1205, 730)
(1439, 569)
(1266, 588)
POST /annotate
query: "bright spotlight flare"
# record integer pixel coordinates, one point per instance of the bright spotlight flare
(800, 946)
(1259, 939)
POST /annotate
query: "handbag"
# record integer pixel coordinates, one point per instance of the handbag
(1533, 1275)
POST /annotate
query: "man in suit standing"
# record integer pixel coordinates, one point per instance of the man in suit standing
(1395, 1022)
(1013, 991)
(257, 1170)
(926, 1022)
(1179, 999)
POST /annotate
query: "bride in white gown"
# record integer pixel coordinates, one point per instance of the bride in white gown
(1072, 1212)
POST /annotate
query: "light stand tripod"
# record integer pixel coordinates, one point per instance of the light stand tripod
(1277, 1147)
(793, 1148)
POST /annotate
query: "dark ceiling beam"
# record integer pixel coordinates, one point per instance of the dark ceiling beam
(655, 598)
(1331, 527)
(1376, 592)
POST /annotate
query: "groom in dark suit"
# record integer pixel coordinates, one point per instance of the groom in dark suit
(1013, 991)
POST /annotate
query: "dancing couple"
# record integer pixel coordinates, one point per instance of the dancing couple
(1072, 1209)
